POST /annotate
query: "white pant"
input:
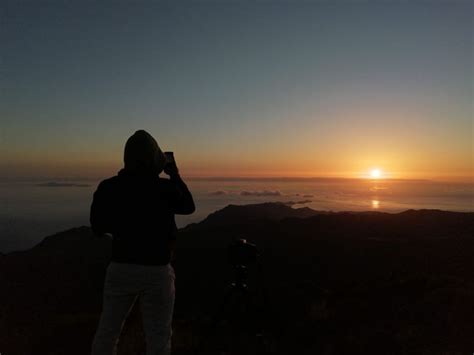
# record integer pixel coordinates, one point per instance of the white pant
(154, 286)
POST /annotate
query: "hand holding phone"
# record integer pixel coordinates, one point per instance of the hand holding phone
(170, 168)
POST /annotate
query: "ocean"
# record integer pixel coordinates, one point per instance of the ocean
(29, 211)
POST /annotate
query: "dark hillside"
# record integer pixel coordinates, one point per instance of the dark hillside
(336, 283)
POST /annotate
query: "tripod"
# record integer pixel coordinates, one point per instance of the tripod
(238, 308)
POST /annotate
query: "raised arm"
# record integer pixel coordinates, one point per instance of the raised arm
(183, 202)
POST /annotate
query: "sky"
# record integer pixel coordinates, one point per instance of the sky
(238, 88)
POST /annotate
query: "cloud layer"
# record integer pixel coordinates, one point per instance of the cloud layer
(302, 202)
(218, 193)
(61, 184)
(260, 193)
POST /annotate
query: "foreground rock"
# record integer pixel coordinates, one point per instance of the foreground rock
(363, 283)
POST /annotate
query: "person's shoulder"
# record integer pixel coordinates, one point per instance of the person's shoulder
(107, 183)
(110, 180)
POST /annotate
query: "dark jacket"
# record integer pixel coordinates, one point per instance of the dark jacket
(138, 210)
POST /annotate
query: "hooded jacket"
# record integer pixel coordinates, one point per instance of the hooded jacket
(137, 207)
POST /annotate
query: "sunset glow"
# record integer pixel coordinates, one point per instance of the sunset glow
(375, 204)
(246, 89)
(375, 174)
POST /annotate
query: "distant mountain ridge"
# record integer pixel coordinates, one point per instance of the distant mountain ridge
(277, 212)
(269, 211)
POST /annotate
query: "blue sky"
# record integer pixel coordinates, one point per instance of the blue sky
(238, 88)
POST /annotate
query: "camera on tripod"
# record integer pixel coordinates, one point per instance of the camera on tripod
(242, 304)
(242, 253)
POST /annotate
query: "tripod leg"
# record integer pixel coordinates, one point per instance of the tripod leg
(270, 326)
(218, 317)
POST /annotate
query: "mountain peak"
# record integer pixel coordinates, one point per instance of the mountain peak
(244, 214)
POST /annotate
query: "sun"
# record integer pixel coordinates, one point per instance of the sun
(375, 174)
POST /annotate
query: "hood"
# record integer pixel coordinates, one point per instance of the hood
(143, 155)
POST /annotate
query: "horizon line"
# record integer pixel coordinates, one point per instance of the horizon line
(242, 178)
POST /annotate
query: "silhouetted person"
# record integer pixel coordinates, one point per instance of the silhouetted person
(137, 208)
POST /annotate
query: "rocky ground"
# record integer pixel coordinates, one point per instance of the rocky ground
(328, 283)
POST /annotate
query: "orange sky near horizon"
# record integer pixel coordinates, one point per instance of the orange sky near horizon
(251, 164)
(249, 89)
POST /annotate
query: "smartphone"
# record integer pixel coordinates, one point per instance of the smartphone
(169, 158)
